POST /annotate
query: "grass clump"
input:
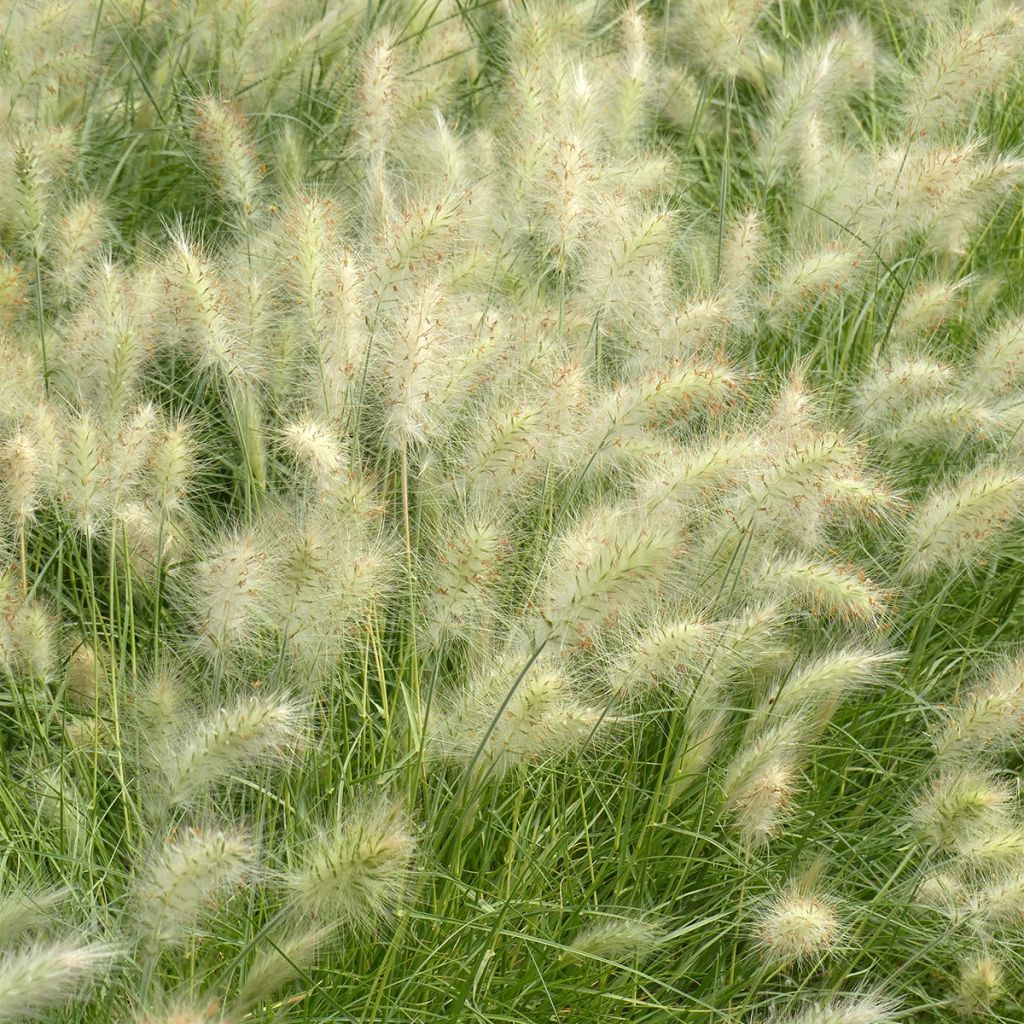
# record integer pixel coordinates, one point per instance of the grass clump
(511, 511)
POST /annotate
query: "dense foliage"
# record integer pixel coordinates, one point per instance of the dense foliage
(511, 511)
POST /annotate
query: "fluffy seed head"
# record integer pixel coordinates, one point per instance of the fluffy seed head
(959, 523)
(222, 133)
(797, 927)
(673, 654)
(171, 466)
(988, 718)
(997, 846)
(869, 1008)
(961, 803)
(230, 593)
(189, 876)
(236, 737)
(761, 781)
(981, 984)
(826, 680)
(289, 958)
(621, 939)
(22, 912)
(999, 362)
(358, 869)
(809, 279)
(499, 721)
(602, 567)
(43, 977)
(466, 567)
(825, 588)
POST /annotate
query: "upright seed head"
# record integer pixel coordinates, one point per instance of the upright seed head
(21, 470)
(467, 563)
(377, 95)
(79, 232)
(231, 593)
(171, 465)
(85, 676)
(760, 783)
(84, 475)
(720, 37)
(315, 446)
(223, 136)
(981, 984)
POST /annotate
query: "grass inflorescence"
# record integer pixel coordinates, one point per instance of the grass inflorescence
(511, 511)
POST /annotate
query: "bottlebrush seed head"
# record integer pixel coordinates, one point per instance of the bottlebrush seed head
(235, 738)
(620, 939)
(981, 984)
(222, 133)
(187, 878)
(988, 718)
(359, 867)
(959, 522)
(796, 927)
(961, 804)
(45, 976)
(867, 1008)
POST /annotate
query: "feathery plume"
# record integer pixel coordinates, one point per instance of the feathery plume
(188, 877)
(673, 654)
(988, 718)
(868, 1008)
(827, 679)
(958, 523)
(999, 361)
(43, 977)
(980, 985)
(500, 721)
(795, 927)
(761, 781)
(357, 869)
(620, 939)
(289, 958)
(960, 803)
(809, 279)
(824, 588)
(972, 59)
(235, 737)
(22, 912)
(230, 593)
(608, 562)
(223, 136)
